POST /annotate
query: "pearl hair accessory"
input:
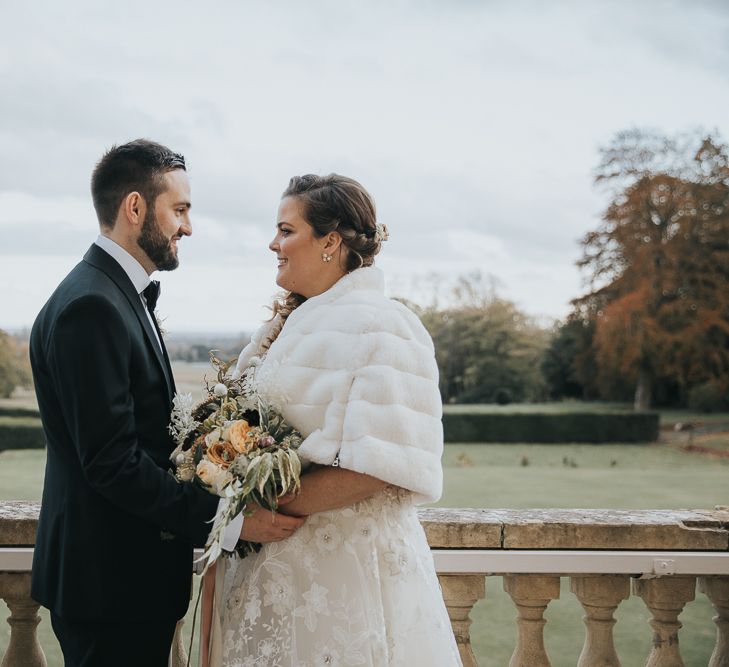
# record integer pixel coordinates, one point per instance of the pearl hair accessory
(381, 232)
(326, 257)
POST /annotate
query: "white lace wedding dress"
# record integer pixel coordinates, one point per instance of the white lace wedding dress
(354, 586)
(355, 373)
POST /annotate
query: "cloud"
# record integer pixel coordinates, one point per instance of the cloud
(474, 125)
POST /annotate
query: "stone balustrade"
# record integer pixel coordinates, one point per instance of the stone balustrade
(607, 555)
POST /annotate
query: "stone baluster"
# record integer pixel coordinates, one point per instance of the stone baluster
(717, 590)
(178, 652)
(531, 595)
(665, 597)
(461, 592)
(600, 596)
(23, 649)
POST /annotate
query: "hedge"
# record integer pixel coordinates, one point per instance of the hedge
(6, 411)
(555, 428)
(21, 433)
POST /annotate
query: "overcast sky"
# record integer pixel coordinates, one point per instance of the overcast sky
(475, 125)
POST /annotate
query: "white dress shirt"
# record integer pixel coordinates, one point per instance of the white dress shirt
(136, 272)
(140, 279)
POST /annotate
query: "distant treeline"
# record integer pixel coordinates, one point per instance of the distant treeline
(195, 348)
(653, 326)
(14, 363)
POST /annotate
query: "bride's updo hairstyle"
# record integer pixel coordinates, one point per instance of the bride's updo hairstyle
(332, 203)
(339, 204)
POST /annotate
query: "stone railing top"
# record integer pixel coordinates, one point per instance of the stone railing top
(675, 530)
(18, 519)
(450, 528)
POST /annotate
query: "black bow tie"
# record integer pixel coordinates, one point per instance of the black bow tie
(151, 294)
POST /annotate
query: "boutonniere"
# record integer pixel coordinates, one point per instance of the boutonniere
(160, 324)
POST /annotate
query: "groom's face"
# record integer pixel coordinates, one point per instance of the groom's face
(167, 221)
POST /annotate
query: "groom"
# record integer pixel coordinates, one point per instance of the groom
(113, 554)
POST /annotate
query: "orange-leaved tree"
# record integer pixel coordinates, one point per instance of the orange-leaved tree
(658, 264)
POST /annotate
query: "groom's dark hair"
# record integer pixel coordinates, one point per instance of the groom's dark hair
(138, 166)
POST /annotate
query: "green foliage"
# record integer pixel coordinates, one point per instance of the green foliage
(21, 433)
(653, 476)
(710, 396)
(560, 368)
(594, 427)
(13, 411)
(14, 364)
(503, 396)
(486, 348)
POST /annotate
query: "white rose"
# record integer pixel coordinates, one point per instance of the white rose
(225, 433)
(185, 473)
(212, 437)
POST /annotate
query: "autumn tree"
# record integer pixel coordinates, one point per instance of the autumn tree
(14, 364)
(658, 264)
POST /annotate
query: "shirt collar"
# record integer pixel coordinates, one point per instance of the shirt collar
(139, 277)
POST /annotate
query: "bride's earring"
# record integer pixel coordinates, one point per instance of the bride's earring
(326, 257)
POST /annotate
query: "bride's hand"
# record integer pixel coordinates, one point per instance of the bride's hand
(285, 505)
(285, 499)
(265, 526)
(329, 487)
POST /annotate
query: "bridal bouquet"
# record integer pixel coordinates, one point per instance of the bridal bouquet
(236, 447)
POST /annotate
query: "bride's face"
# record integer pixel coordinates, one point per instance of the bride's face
(299, 252)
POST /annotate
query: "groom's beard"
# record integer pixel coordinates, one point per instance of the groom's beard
(158, 247)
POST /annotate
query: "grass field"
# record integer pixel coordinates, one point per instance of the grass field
(494, 476)
(520, 476)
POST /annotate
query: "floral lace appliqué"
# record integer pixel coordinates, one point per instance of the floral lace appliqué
(354, 586)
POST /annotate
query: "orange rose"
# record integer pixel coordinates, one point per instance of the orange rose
(221, 454)
(242, 436)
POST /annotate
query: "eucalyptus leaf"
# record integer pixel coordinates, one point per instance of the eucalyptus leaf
(269, 494)
(264, 470)
(248, 485)
(251, 478)
(282, 465)
(295, 462)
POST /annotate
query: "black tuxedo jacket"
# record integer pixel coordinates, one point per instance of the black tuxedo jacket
(116, 530)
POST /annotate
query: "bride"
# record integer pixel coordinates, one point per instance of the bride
(355, 373)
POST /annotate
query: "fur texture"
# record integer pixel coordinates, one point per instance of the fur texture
(355, 373)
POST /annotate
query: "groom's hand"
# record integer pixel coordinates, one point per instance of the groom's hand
(265, 526)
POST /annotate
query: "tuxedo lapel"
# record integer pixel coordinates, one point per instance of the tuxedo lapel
(106, 263)
(168, 365)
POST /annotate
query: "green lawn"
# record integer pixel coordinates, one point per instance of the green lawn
(655, 476)
(609, 476)
(554, 407)
(615, 476)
